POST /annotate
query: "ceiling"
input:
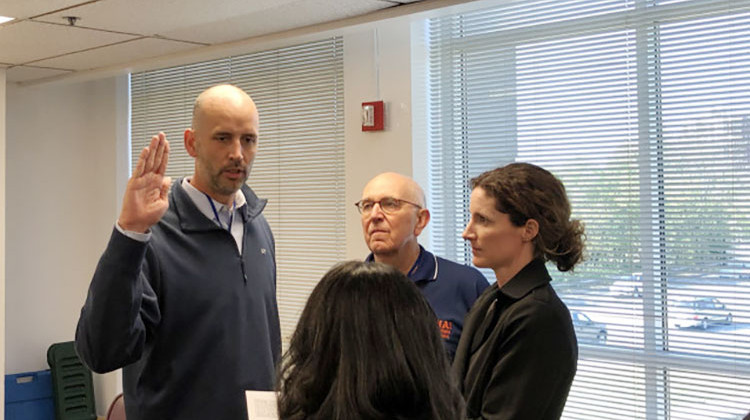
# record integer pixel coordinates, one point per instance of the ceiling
(43, 42)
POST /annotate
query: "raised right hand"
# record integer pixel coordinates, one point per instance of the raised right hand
(145, 200)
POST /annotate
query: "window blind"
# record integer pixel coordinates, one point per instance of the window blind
(299, 167)
(642, 109)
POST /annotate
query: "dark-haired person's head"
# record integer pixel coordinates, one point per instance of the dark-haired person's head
(366, 347)
(526, 205)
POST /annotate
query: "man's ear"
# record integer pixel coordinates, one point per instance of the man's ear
(423, 217)
(189, 138)
(530, 230)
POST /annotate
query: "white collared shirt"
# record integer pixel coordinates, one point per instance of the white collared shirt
(226, 213)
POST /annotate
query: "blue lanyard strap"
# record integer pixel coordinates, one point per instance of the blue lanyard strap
(216, 213)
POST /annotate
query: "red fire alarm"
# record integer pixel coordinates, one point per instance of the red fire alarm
(372, 116)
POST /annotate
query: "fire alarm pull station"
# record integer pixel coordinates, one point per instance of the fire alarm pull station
(372, 116)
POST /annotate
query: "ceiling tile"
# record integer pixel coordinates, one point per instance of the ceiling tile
(283, 17)
(25, 73)
(148, 17)
(123, 24)
(22, 9)
(29, 41)
(123, 53)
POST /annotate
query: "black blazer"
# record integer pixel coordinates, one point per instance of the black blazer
(518, 352)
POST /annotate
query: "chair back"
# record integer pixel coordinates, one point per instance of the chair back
(72, 385)
(116, 409)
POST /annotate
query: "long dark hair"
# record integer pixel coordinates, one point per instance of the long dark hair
(367, 346)
(525, 191)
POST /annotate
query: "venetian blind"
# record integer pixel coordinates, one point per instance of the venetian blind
(299, 167)
(642, 109)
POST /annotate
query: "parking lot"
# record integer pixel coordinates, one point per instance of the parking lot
(623, 321)
(691, 388)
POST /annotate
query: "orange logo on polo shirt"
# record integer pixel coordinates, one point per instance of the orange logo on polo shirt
(445, 328)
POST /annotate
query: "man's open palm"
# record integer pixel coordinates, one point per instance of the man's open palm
(145, 200)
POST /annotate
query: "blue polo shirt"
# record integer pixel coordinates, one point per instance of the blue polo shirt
(450, 288)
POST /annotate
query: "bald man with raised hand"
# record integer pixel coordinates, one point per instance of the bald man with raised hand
(184, 296)
(393, 214)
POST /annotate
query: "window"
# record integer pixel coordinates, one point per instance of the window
(642, 108)
(300, 163)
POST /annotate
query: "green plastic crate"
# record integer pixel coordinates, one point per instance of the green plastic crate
(72, 386)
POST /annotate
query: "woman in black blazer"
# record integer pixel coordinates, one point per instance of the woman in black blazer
(517, 355)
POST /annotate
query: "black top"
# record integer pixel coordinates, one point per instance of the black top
(518, 353)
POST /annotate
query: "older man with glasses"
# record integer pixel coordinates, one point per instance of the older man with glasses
(393, 215)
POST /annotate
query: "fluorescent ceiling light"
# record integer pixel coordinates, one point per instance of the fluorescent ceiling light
(4, 19)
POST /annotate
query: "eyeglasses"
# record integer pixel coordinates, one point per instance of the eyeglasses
(388, 205)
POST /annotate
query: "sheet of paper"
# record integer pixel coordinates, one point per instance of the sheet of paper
(261, 405)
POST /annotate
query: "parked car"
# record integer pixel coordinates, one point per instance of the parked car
(700, 312)
(630, 287)
(588, 331)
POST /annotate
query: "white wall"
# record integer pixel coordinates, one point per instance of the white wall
(61, 201)
(2, 237)
(375, 56)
